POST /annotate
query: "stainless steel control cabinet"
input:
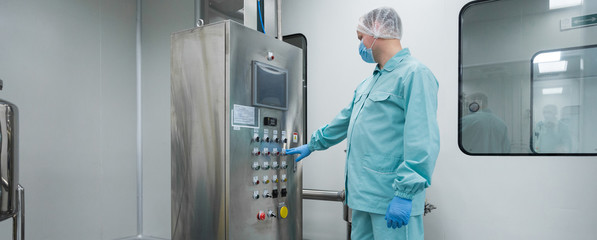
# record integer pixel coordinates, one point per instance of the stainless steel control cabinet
(236, 103)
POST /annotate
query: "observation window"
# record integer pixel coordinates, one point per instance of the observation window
(528, 78)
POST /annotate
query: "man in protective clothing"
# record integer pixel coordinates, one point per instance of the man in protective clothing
(392, 135)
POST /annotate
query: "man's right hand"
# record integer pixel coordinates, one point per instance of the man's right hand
(302, 150)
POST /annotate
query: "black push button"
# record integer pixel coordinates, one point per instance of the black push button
(275, 193)
(283, 192)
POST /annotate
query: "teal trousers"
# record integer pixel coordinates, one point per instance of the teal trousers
(367, 226)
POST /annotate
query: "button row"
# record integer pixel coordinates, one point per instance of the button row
(274, 194)
(266, 138)
(283, 213)
(266, 179)
(276, 140)
(265, 165)
(266, 152)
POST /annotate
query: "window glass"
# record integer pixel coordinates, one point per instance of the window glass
(501, 100)
(564, 84)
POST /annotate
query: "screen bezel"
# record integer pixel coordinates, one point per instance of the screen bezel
(255, 65)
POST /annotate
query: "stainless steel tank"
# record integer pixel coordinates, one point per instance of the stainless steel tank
(9, 155)
(11, 193)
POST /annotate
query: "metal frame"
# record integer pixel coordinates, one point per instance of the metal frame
(302, 44)
(334, 196)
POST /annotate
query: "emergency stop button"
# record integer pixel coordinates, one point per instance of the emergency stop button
(261, 216)
(283, 212)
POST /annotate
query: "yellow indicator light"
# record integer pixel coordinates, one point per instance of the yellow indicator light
(283, 212)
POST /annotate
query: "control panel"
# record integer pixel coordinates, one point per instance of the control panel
(269, 165)
(264, 182)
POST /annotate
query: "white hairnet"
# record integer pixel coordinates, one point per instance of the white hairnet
(382, 22)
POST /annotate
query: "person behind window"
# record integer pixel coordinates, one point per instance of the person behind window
(482, 131)
(550, 134)
(569, 116)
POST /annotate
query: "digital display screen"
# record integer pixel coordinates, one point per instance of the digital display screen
(270, 86)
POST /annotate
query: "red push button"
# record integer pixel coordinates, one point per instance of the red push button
(261, 216)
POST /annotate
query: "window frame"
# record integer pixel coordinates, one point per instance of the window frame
(533, 152)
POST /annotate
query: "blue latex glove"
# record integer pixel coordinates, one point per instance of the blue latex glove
(398, 212)
(302, 150)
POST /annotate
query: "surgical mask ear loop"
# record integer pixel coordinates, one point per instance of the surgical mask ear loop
(374, 39)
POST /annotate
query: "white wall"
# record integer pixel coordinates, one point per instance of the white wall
(159, 20)
(69, 65)
(477, 197)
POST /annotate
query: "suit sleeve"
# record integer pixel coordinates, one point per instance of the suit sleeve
(334, 132)
(421, 134)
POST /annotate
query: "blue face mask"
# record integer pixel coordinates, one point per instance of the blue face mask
(366, 53)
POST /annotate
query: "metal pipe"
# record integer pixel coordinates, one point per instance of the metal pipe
(335, 196)
(21, 191)
(15, 227)
(199, 13)
(5, 184)
(348, 219)
(279, 16)
(22, 212)
(18, 219)
(139, 129)
(324, 195)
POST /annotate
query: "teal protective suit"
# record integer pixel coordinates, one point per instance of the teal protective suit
(392, 136)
